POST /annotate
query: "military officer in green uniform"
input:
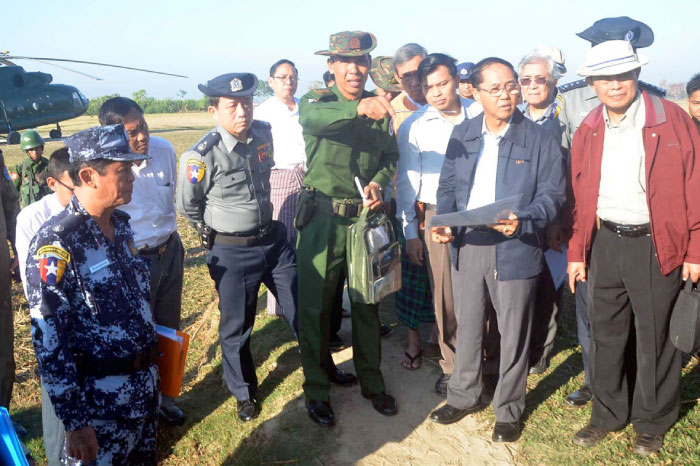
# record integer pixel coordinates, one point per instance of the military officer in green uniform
(346, 131)
(29, 178)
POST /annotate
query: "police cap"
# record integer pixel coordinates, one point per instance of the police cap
(622, 28)
(101, 142)
(464, 70)
(230, 85)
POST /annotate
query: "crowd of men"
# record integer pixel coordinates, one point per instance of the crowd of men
(601, 170)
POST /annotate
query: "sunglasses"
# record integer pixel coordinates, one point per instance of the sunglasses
(539, 80)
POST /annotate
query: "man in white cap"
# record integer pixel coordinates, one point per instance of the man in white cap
(636, 234)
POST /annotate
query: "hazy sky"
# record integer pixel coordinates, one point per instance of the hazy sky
(205, 38)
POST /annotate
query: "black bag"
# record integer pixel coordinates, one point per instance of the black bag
(685, 319)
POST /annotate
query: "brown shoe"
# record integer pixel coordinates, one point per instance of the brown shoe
(589, 436)
(647, 444)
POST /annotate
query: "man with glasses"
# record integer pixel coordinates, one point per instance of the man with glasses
(636, 234)
(287, 176)
(490, 158)
(406, 61)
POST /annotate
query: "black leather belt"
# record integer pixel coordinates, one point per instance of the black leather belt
(248, 238)
(160, 249)
(628, 231)
(98, 368)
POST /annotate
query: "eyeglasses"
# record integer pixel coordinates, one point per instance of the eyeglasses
(409, 76)
(511, 88)
(291, 79)
(539, 80)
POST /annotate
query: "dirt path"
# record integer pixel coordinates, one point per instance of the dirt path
(367, 438)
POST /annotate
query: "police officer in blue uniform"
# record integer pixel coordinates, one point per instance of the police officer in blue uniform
(92, 326)
(578, 101)
(224, 190)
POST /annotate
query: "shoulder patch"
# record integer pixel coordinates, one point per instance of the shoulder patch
(52, 261)
(207, 142)
(574, 85)
(651, 89)
(315, 95)
(195, 170)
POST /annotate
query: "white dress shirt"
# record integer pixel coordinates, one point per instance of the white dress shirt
(29, 220)
(622, 194)
(152, 206)
(289, 147)
(483, 190)
(422, 140)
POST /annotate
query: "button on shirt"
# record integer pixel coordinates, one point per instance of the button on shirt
(152, 206)
(286, 132)
(622, 195)
(483, 190)
(423, 139)
(29, 220)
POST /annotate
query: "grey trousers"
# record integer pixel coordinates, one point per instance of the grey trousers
(54, 432)
(513, 301)
(439, 271)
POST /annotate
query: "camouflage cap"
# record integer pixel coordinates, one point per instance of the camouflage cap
(102, 142)
(350, 44)
(382, 73)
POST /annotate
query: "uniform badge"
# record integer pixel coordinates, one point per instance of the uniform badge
(264, 152)
(354, 43)
(6, 172)
(464, 72)
(52, 263)
(202, 146)
(554, 111)
(132, 248)
(629, 37)
(195, 171)
(236, 85)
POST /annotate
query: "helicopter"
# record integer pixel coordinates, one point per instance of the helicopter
(28, 99)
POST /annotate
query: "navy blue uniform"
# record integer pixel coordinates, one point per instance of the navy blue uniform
(89, 300)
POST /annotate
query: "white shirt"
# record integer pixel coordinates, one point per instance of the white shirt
(289, 147)
(29, 220)
(422, 140)
(622, 194)
(483, 190)
(152, 206)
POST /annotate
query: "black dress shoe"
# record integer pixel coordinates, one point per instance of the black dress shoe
(384, 329)
(539, 368)
(171, 414)
(321, 413)
(383, 403)
(580, 397)
(506, 432)
(448, 414)
(589, 436)
(20, 430)
(342, 378)
(441, 384)
(647, 444)
(335, 343)
(248, 410)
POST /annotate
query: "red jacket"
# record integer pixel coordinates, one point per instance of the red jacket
(672, 146)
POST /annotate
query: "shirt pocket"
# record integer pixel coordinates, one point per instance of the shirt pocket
(234, 186)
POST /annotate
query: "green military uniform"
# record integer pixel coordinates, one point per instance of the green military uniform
(340, 145)
(9, 208)
(29, 179)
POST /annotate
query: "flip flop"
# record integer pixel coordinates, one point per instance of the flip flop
(412, 360)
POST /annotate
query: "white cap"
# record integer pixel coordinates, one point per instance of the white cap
(611, 58)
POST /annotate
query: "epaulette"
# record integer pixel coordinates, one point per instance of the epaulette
(573, 85)
(263, 125)
(315, 95)
(205, 144)
(69, 223)
(650, 88)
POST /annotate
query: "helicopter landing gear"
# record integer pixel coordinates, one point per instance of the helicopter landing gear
(55, 133)
(13, 137)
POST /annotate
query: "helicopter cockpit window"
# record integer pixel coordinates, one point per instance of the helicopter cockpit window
(18, 80)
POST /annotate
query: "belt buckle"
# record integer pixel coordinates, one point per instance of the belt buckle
(162, 248)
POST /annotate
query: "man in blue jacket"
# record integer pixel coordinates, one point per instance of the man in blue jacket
(489, 158)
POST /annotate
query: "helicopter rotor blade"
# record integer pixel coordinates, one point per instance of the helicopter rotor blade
(96, 63)
(69, 69)
(6, 62)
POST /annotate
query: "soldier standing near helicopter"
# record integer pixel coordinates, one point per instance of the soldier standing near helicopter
(29, 178)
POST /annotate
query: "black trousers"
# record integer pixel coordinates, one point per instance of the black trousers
(628, 297)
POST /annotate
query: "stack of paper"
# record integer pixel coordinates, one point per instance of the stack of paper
(11, 452)
(172, 349)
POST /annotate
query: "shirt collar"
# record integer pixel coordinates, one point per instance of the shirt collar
(632, 117)
(432, 113)
(485, 131)
(230, 141)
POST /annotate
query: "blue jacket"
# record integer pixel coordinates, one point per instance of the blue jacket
(530, 163)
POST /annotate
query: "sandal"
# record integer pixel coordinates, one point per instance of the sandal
(412, 360)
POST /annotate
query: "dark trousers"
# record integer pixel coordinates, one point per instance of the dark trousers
(474, 283)
(627, 294)
(7, 335)
(238, 272)
(166, 271)
(583, 328)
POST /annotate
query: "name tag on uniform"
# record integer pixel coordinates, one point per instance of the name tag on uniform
(99, 266)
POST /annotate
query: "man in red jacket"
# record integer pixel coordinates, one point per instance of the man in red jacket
(636, 233)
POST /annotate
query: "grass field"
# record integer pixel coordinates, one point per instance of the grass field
(283, 434)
